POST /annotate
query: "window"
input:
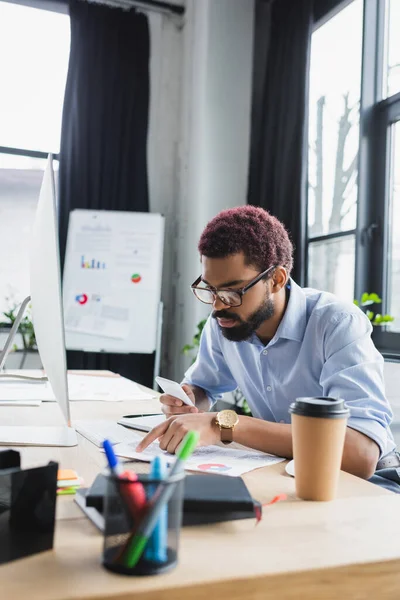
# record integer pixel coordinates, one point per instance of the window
(394, 228)
(34, 46)
(335, 83)
(353, 205)
(391, 79)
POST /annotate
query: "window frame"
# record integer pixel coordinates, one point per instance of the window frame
(323, 12)
(386, 113)
(28, 153)
(376, 117)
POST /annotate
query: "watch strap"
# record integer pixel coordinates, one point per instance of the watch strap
(226, 435)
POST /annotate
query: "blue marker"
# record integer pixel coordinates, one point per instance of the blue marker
(156, 547)
(115, 466)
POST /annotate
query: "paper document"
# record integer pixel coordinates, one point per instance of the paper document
(17, 391)
(205, 459)
(98, 430)
(20, 402)
(142, 423)
(80, 387)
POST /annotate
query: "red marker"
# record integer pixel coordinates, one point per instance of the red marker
(133, 494)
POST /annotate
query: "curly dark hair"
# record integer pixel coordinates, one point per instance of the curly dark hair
(263, 239)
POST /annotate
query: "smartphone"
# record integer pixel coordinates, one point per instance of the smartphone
(173, 389)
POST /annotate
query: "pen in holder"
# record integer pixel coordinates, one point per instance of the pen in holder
(130, 548)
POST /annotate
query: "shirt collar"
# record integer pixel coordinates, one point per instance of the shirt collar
(294, 321)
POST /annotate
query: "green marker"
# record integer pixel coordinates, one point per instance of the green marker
(161, 497)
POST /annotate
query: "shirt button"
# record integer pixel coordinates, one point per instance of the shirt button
(269, 388)
(265, 351)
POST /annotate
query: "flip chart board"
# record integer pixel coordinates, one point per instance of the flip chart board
(112, 281)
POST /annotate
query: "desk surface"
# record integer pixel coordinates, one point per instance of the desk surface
(323, 546)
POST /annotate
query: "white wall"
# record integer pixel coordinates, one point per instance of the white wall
(201, 71)
(166, 62)
(214, 152)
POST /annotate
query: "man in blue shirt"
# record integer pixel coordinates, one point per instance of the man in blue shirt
(276, 342)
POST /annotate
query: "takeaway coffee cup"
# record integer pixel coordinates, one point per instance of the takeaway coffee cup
(318, 430)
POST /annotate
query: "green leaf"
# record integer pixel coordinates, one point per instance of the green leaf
(370, 314)
(187, 348)
(375, 298)
(196, 339)
(387, 318)
(382, 319)
(368, 299)
(364, 297)
(246, 408)
(356, 302)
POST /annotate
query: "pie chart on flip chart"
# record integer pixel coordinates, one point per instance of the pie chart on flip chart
(136, 278)
(81, 298)
(214, 467)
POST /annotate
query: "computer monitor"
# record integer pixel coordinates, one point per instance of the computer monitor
(48, 321)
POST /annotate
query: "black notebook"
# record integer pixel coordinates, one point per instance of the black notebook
(207, 499)
(215, 498)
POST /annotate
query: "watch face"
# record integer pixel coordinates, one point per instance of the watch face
(227, 418)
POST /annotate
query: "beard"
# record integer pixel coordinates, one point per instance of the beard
(245, 329)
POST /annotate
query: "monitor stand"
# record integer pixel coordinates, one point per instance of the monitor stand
(19, 435)
(8, 345)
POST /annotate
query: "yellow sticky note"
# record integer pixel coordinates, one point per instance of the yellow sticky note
(66, 474)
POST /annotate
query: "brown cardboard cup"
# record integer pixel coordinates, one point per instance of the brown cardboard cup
(318, 431)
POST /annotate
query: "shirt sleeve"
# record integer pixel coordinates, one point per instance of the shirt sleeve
(353, 370)
(210, 371)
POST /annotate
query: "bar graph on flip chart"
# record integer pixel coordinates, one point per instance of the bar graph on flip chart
(92, 264)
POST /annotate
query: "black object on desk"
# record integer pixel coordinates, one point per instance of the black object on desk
(9, 459)
(27, 510)
(207, 499)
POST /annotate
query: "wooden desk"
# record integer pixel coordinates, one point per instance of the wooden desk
(348, 548)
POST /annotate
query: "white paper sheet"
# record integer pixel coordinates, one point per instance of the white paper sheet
(98, 430)
(205, 459)
(17, 435)
(20, 403)
(81, 387)
(24, 391)
(142, 423)
(85, 387)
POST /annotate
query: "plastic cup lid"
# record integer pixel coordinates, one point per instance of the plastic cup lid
(324, 407)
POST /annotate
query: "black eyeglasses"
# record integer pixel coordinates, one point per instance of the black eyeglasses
(228, 296)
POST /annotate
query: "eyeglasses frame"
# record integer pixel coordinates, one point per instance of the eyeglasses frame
(240, 291)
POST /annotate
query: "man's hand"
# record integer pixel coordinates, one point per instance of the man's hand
(173, 406)
(174, 429)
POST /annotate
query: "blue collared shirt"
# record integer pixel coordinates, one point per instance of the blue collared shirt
(322, 347)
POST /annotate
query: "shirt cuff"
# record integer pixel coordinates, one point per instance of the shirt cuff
(373, 430)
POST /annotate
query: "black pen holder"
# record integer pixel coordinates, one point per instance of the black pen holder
(127, 505)
(27, 511)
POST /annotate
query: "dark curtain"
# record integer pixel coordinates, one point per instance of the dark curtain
(280, 89)
(104, 136)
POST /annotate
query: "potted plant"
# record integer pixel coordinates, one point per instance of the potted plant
(366, 301)
(27, 336)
